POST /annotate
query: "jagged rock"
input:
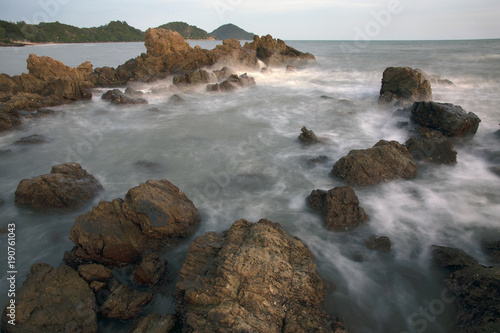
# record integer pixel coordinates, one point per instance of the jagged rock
(447, 118)
(253, 277)
(67, 186)
(200, 76)
(308, 136)
(125, 303)
(223, 73)
(153, 214)
(30, 140)
(232, 83)
(95, 272)
(151, 270)
(53, 300)
(160, 42)
(404, 85)
(340, 207)
(434, 148)
(106, 77)
(386, 161)
(380, 243)
(116, 96)
(154, 323)
(474, 287)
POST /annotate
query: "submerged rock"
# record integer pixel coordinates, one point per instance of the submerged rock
(447, 118)
(404, 85)
(30, 140)
(53, 300)
(386, 161)
(253, 277)
(340, 207)
(434, 148)
(67, 186)
(308, 136)
(379, 243)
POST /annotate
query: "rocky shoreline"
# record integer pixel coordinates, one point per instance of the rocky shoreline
(253, 277)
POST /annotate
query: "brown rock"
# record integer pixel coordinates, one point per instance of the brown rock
(117, 97)
(435, 149)
(404, 85)
(95, 272)
(154, 323)
(253, 277)
(151, 270)
(125, 303)
(160, 42)
(8, 122)
(380, 243)
(275, 52)
(308, 136)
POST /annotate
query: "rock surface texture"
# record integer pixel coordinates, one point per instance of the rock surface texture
(67, 186)
(254, 277)
(404, 85)
(432, 146)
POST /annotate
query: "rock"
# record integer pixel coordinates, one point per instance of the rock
(224, 73)
(340, 207)
(384, 162)
(308, 137)
(53, 300)
(275, 52)
(147, 165)
(435, 149)
(132, 92)
(404, 85)
(151, 270)
(8, 122)
(117, 97)
(153, 215)
(493, 250)
(447, 118)
(474, 288)
(125, 303)
(197, 77)
(266, 70)
(232, 83)
(30, 140)
(381, 243)
(107, 77)
(176, 99)
(318, 160)
(95, 272)
(291, 69)
(43, 113)
(253, 277)
(67, 186)
(160, 42)
(154, 323)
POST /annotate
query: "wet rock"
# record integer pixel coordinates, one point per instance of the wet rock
(386, 161)
(67, 186)
(159, 42)
(30, 140)
(308, 136)
(176, 99)
(117, 97)
(379, 243)
(404, 85)
(151, 270)
(435, 148)
(132, 92)
(493, 250)
(95, 272)
(447, 118)
(253, 277)
(197, 77)
(154, 323)
(125, 303)
(53, 300)
(9, 121)
(147, 165)
(154, 214)
(232, 83)
(340, 208)
(266, 70)
(474, 287)
(224, 73)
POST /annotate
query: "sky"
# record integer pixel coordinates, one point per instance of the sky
(284, 19)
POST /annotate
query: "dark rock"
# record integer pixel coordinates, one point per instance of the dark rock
(176, 99)
(445, 82)
(154, 323)
(308, 137)
(447, 118)
(319, 160)
(326, 97)
(153, 110)
(153, 214)
(132, 92)
(435, 149)
(384, 162)
(197, 77)
(340, 207)
(67, 186)
(495, 170)
(275, 52)
(291, 69)
(117, 97)
(381, 243)
(148, 165)
(232, 83)
(95, 272)
(266, 70)
(493, 250)
(253, 277)
(224, 73)
(53, 300)
(125, 303)
(404, 85)
(475, 289)
(107, 77)
(151, 270)
(32, 139)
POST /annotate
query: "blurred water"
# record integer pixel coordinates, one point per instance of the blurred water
(236, 155)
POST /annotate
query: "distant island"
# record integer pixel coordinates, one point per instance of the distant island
(21, 33)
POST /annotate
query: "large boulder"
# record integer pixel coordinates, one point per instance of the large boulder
(159, 42)
(474, 287)
(152, 215)
(451, 120)
(53, 300)
(66, 186)
(432, 147)
(253, 277)
(339, 206)
(275, 52)
(386, 161)
(404, 85)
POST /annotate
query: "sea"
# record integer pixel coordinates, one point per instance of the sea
(237, 155)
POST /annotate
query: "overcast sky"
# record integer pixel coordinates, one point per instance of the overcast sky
(285, 19)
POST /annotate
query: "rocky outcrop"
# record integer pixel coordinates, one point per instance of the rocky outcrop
(68, 186)
(197, 77)
(308, 137)
(232, 83)
(447, 118)
(433, 147)
(154, 323)
(404, 85)
(386, 161)
(474, 287)
(53, 300)
(116, 96)
(340, 208)
(253, 277)
(152, 215)
(159, 42)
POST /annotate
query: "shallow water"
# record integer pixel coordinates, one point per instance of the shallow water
(236, 155)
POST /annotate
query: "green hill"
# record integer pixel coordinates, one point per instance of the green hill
(230, 31)
(185, 30)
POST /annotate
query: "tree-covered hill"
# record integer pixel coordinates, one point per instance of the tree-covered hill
(185, 30)
(229, 31)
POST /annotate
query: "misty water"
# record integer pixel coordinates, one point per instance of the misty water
(236, 155)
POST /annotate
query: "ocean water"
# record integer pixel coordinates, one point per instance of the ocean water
(236, 155)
